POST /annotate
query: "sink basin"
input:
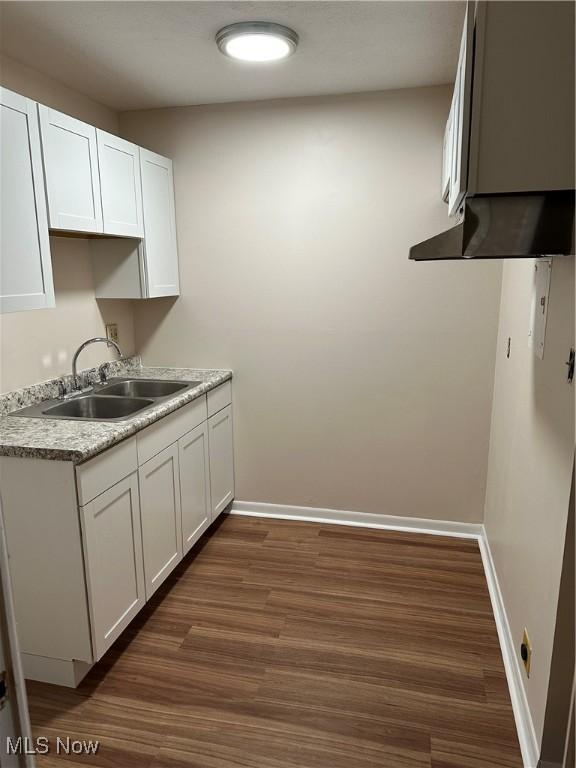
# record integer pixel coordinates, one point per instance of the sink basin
(153, 388)
(97, 408)
(117, 400)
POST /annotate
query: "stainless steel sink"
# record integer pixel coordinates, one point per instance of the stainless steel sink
(96, 408)
(117, 400)
(153, 388)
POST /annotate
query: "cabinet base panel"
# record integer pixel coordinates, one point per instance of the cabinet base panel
(46, 669)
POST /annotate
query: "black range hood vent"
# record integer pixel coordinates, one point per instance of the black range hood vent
(506, 226)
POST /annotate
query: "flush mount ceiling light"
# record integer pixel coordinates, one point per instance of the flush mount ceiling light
(257, 41)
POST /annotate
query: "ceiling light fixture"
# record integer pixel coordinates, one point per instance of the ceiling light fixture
(258, 41)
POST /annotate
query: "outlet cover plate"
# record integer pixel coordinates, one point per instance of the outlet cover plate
(112, 332)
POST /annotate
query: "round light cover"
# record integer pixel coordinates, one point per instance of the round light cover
(258, 41)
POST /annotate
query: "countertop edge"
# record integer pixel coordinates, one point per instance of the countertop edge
(129, 427)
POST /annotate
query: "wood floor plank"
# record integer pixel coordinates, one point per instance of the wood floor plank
(390, 706)
(281, 644)
(472, 753)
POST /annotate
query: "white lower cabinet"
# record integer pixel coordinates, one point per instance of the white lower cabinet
(119, 524)
(159, 485)
(194, 484)
(113, 554)
(221, 460)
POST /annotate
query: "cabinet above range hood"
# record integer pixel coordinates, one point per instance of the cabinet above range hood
(508, 162)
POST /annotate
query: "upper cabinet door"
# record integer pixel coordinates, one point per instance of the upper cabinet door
(460, 115)
(25, 266)
(71, 165)
(447, 158)
(159, 247)
(119, 164)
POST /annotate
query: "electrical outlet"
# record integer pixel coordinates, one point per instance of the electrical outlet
(112, 332)
(526, 652)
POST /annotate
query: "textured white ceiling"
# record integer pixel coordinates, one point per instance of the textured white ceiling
(133, 55)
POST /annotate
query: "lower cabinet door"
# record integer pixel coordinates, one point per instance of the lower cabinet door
(161, 518)
(194, 484)
(221, 451)
(114, 568)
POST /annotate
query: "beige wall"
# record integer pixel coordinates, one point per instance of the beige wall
(39, 344)
(362, 381)
(29, 82)
(562, 668)
(530, 465)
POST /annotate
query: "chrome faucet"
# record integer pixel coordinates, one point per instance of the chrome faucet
(82, 346)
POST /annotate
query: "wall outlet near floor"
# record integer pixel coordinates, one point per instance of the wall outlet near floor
(112, 332)
(526, 652)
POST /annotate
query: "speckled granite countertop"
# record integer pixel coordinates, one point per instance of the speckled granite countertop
(76, 441)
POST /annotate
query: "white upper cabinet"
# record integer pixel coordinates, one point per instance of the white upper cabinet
(131, 269)
(59, 173)
(460, 127)
(457, 133)
(160, 252)
(447, 158)
(70, 154)
(119, 164)
(92, 178)
(25, 267)
(511, 125)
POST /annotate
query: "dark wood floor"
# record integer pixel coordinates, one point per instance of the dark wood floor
(287, 644)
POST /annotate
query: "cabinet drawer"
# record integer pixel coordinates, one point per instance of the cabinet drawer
(219, 398)
(103, 471)
(168, 430)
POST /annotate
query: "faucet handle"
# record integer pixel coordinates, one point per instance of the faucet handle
(103, 371)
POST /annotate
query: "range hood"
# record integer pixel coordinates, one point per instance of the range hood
(500, 226)
(508, 153)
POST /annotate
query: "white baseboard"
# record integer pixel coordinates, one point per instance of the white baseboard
(524, 725)
(359, 519)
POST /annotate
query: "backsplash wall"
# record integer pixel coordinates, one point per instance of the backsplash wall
(39, 344)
